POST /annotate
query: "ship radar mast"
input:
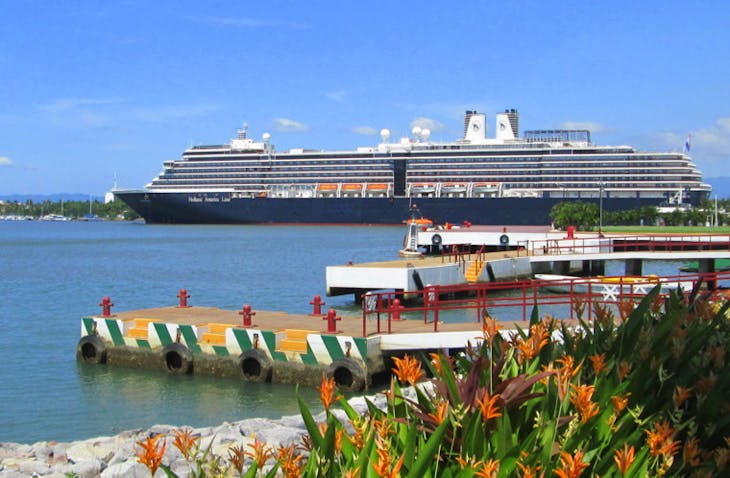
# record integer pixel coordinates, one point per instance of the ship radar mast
(243, 132)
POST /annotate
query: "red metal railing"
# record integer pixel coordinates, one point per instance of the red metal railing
(378, 308)
(649, 242)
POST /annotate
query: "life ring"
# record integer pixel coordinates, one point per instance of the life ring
(504, 239)
(436, 239)
(255, 365)
(349, 374)
(91, 349)
(177, 358)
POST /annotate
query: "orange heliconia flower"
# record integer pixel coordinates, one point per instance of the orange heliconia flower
(691, 452)
(624, 458)
(152, 452)
(436, 361)
(581, 399)
(441, 412)
(706, 384)
(571, 466)
(327, 392)
(290, 461)
(579, 306)
(625, 307)
(602, 313)
(660, 440)
(488, 469)
(348, 473)
(488, 405)
(599, 363)
(620, 402)
(527, 471)
(717, 356)
(565, 374)
(680, 395)
(237, 457)
(408, 369)
(260, 452)
(537, 339)
(186, 442)
(384, 466)
(490, 328)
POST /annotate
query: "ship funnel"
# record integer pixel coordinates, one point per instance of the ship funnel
(507, 125)
(475, 127)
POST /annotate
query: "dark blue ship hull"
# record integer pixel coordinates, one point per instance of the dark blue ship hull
(220, 208)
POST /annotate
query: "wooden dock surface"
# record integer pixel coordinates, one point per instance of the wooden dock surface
(278, 321)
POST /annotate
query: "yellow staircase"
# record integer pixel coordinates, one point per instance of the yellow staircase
(474, 270)
(216, 334)
(138, 330)
(294, 340)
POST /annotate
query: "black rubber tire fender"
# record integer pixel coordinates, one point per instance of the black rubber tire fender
(349, 374)
(436, 239)
(91, 349)
(504, 239)
(177, 358)
(255, 366)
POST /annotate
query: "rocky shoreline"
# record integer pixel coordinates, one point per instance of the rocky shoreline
(114, 456)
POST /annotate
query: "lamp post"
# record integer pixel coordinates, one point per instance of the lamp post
(600, 208)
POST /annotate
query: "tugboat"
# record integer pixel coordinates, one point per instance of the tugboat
(410, 241)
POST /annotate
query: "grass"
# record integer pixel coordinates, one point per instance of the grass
(669, 229)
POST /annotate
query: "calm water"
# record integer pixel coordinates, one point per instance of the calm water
(52, 274)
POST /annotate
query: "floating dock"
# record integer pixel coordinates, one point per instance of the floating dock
(476, 255)
(261, 345)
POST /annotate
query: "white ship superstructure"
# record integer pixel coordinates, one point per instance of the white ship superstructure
(541, 165)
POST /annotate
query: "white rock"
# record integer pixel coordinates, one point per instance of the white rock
(85, 451)
(128, 469)
(32, 467)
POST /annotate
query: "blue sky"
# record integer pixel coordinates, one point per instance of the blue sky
(90, 89)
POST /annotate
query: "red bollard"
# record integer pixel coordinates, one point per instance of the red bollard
(247, 315)
(183, 296)
(332, 319)
(316, 304)
(396, 309)
(106, 306)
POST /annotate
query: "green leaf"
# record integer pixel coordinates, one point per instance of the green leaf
(429, 452)
(168, 472)
(310, 424)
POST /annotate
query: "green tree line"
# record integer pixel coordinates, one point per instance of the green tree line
(115, 210)
(587, 216)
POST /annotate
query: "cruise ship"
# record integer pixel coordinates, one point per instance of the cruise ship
(498, 178)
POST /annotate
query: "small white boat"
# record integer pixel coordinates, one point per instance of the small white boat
(55, 217)
(611, 287)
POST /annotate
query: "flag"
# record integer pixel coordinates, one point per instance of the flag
(688, 143)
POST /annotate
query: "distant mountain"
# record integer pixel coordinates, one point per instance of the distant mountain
(720, 186)
(36, 198)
